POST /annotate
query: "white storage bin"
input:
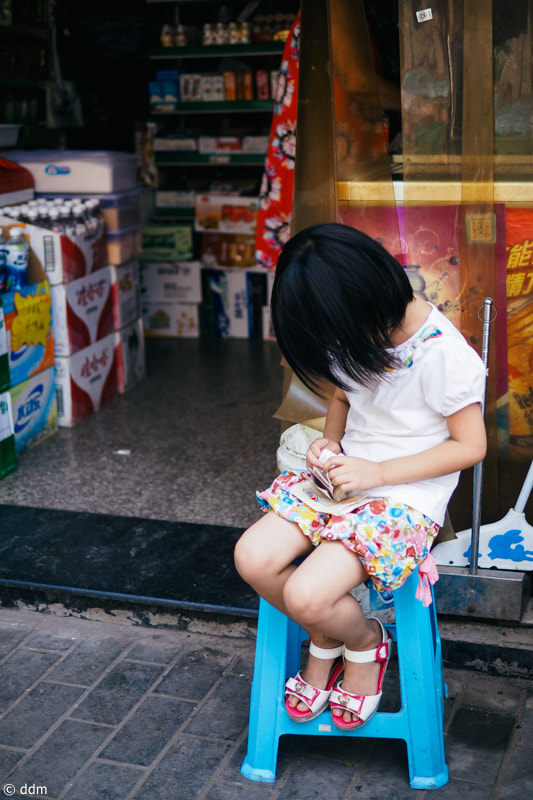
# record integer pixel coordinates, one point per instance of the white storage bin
(78, 171)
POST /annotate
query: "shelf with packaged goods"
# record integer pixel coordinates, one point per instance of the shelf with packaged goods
(184, 213)
(218, 51)
(181, 159)
(216, 107)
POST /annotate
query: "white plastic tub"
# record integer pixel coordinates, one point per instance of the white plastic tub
(78, 171)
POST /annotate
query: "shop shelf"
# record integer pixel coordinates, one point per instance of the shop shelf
(186, 159)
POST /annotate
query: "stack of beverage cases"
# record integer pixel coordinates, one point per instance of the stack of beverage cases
(71, 333)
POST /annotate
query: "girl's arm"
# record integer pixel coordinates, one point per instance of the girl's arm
(333, 429)
(466, 446)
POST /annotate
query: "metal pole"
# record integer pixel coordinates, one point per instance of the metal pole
(478, 469)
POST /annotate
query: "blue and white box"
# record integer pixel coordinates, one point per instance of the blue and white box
(34, 409)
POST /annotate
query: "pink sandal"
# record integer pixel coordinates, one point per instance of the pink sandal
(316, 700)
(364, 706)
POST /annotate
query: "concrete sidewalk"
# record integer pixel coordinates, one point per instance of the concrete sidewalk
(103, 709)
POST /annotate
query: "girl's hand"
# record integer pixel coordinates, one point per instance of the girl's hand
(315, 448)
(353, 474)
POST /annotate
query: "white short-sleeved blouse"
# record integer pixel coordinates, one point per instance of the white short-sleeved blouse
(405, 413)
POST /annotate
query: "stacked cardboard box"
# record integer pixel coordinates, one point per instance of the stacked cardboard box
(26, 343)
(8, 450)
(171, 292)
(235, 291)
(94, 276)
(98, 339)
(170, 281)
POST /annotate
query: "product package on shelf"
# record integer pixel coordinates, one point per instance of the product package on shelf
(34, 409)
(228, 250)
(125, 244)
(164, 92)
(234, 299)
(63, 258)
(119, 209)
(255, 144)
(126, 293)
(175, 142)
(219, 144)
(171, 281)
(170, 319)
(8, 448)
(167, 242)
(225, 213)
(29, 330)
(175, 198)
(131, 366)
(87, 380)
(27, 316)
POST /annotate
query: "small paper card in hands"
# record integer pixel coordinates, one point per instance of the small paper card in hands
(308, 493)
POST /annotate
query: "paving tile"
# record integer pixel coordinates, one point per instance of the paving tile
(156, 648)
(36, 712)
(118, 691)
(518, 781)
(290, 748)
(87, 662)
(524, 729)
(8, 759)
(103, 781)
(476, 743)
(20, 671)
(187, 767)
(60, 756)
(499, 694)
(314, 779)
(245, 664)
(348, 749)
(48, 641)
(455, 789)
(10, 637)
(144, 735)
(239, 791)
(196, 671)
(384, 774)
(225, 713)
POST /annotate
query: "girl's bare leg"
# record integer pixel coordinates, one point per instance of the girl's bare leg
(317, 596)
(265, 555)
(264, 558)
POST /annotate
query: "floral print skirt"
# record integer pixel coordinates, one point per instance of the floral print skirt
(391, 539)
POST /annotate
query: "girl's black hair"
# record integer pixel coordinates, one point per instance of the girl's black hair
(337, 297)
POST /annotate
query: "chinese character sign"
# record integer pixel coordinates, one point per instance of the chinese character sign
(519, 236)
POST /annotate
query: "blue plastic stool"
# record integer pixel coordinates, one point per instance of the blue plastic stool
(419, 721)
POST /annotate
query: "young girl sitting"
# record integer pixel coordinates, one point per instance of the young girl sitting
(404, 418)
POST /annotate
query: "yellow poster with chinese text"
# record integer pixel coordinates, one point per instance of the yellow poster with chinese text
(519, 237)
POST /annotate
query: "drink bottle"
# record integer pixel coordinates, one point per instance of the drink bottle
(17, 251)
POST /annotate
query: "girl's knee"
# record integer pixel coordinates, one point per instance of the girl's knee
(243, 556)
(304, 603)
(250, 559)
